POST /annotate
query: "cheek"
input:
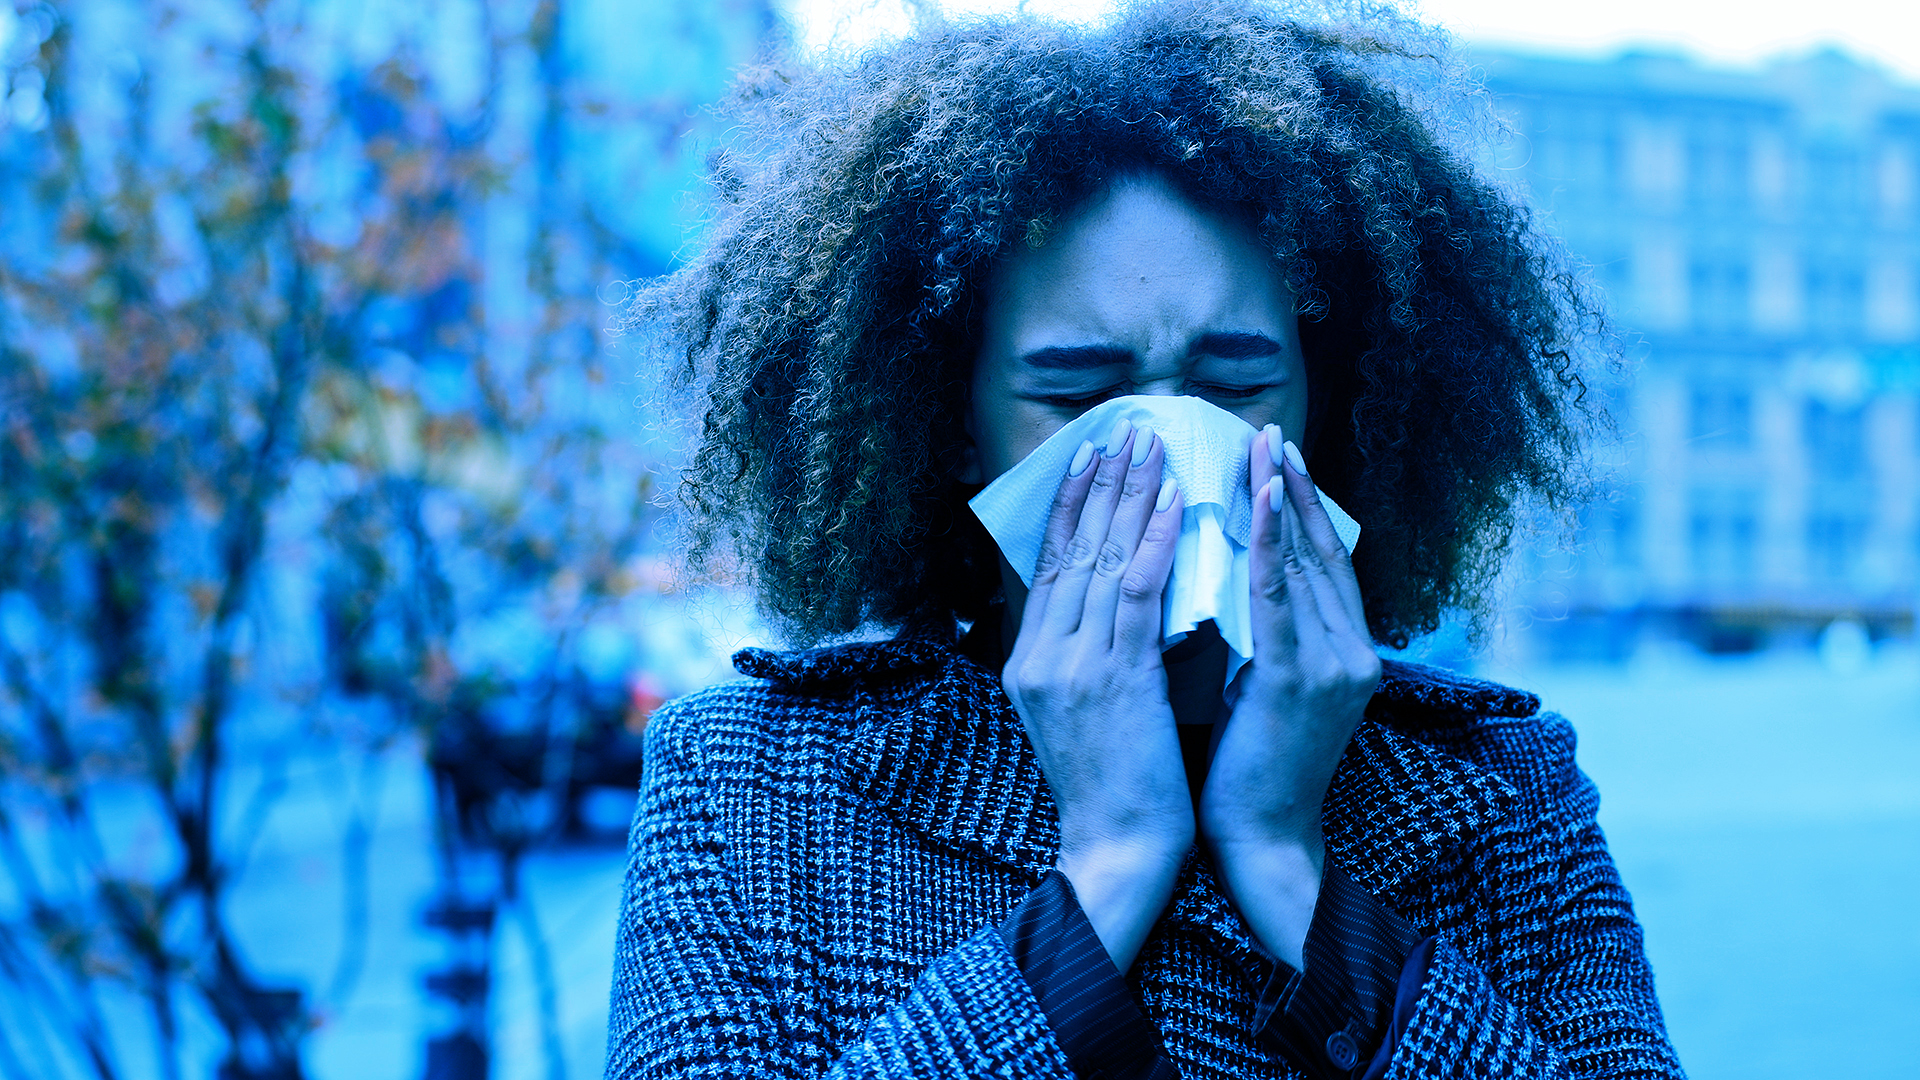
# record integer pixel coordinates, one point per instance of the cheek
(1286, 408)
(1290, 410)
(1294, 422)
(1024, 429)
(1006, 429)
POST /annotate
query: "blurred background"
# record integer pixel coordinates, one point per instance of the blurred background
(335, 591)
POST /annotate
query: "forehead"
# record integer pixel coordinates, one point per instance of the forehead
(1138, 266)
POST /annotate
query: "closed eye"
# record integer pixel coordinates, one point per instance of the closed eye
(1230, 393)
(1080, 402)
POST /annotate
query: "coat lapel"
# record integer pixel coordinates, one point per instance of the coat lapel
(1396, 805)
(954, 764)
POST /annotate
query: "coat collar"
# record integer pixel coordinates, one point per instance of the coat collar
(953, 762)
(938, 745)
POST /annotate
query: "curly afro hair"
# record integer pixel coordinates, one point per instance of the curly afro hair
(828, 326)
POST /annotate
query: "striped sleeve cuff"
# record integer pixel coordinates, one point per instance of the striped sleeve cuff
(1339, 1012)
(1086, 1001)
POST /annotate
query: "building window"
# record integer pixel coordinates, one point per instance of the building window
(1836, 538)
(1896, 181)
(1721, 417)
(1593, 163)
(1655, 159)
(1723, 527)
(1836, 183)
(1612, 531)
(1836, 298)
(1661, 280)
(1836, 440)
(1719, 167)
(1576, 153)
(1722, 294)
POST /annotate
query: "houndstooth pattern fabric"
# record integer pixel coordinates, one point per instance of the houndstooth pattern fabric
(821, 856)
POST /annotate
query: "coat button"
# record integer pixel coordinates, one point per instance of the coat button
(1342, 1051)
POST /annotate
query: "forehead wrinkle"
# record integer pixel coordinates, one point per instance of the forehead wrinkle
(1138, 271)
(1212, 305)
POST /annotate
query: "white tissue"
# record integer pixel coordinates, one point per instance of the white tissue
(1206, 452)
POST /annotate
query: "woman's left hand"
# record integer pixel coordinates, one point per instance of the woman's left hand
(1300, 698)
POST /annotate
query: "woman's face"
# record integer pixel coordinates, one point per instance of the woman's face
(1137, 292)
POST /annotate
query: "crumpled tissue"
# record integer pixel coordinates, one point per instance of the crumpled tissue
(1206, 453)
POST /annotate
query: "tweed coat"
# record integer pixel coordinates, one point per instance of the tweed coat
(821, 855)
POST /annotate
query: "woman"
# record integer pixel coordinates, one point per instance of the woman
(1002, 854)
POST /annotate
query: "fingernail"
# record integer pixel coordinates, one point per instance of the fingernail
(1081, 458)
(1119, 437)
(1293, 458)
(1142, 446)
(1167, 488)
(1273, 443)
(1276, 494)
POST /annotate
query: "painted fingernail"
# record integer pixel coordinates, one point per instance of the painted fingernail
(1273, 443)
(1167, 488)
(1276, 494)
(1142, 446)
(1119, 437)
(1293, 458)
(1081, 459)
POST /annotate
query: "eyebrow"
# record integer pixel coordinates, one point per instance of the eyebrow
(1078, 357)
(1235, 346)
(1226, 345)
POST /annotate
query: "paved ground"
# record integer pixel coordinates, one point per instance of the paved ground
(1765, 814)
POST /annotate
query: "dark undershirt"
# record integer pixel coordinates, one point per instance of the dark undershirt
(1196, 670)
(1365, 964)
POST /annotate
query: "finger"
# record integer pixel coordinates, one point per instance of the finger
(1327, 602)
(1066, 602)
(1139, 493)
(1313, 639)
(1263, 458)
(1320, 535)
(1274, 636)
(1138, 619)
(1268, 464)
(1331, 642)
(1062, 520)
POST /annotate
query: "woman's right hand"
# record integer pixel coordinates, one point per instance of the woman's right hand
(1086, 678)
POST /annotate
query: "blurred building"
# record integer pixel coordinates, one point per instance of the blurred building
(1757, 237)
